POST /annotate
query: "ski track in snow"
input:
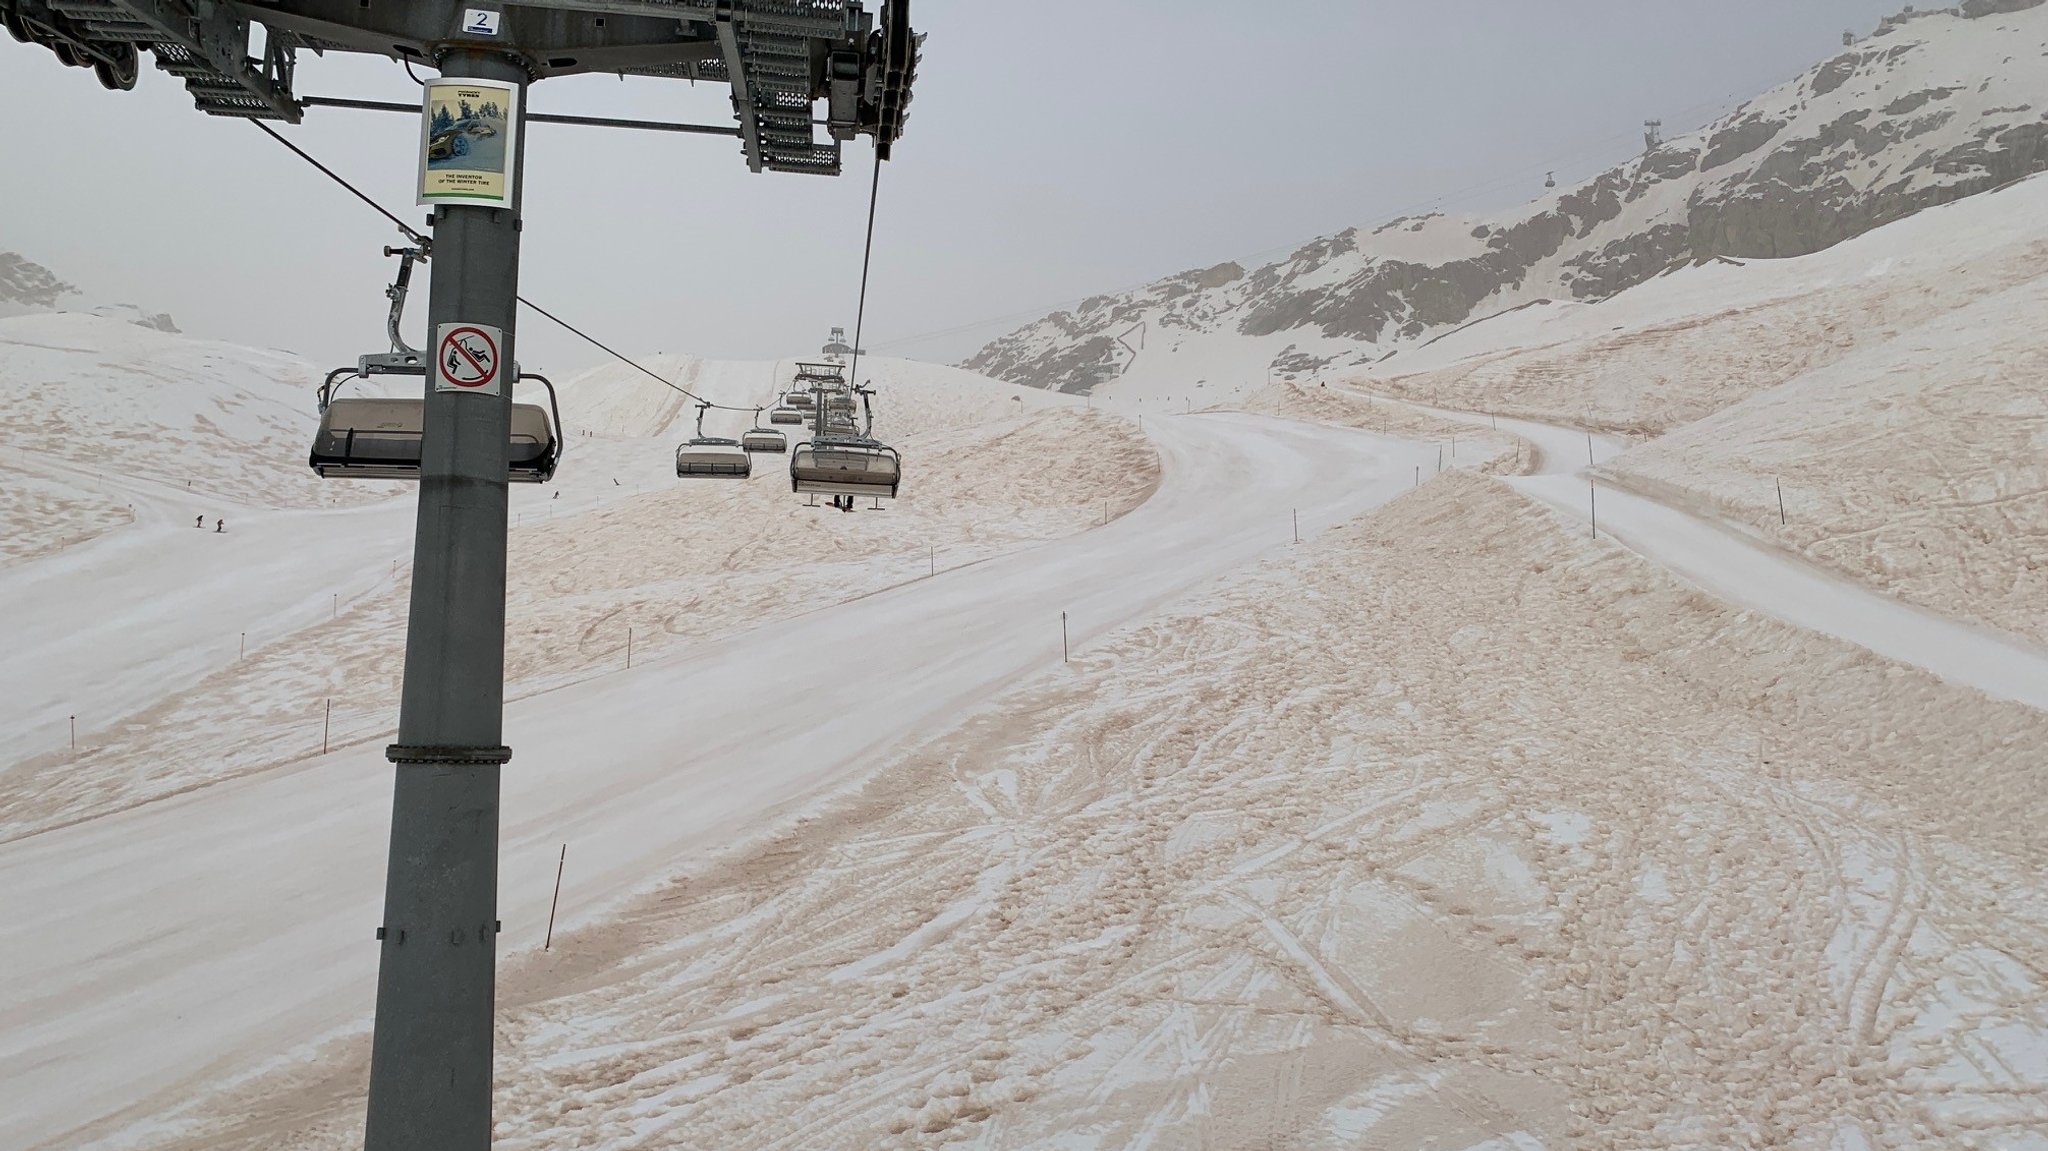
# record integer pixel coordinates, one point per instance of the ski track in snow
(113, 968)
(1338, 855)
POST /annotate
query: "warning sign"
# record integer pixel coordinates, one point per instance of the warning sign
(469, 142)
(467, 359)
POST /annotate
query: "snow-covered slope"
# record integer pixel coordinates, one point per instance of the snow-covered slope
(1918, 465)
(106, 422)
(189, 657)
(1671, 351)
(1935, 107)
(1452, 829)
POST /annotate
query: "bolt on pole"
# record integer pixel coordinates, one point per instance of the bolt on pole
(430, 1055)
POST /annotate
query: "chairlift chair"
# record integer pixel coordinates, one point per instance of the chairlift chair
(706, 457)
(759, 439)
(842, 467)
(712, 457)
(785, 415)
(378, 438)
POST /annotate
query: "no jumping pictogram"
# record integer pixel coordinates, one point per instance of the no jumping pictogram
(467, 358)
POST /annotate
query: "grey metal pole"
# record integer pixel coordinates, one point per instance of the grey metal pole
(430, 1058)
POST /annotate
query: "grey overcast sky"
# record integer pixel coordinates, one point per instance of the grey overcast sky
(1055, 149)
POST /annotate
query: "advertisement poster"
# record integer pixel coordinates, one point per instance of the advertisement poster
(469, 140)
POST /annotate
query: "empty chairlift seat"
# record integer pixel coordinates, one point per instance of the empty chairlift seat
(764, 440)
(366, 438)
(845, 467)
(785, 416)
(708, 458)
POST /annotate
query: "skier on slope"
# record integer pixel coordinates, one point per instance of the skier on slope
(219, 526)
(199, 522)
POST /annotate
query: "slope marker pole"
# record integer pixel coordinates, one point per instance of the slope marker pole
(557, 900)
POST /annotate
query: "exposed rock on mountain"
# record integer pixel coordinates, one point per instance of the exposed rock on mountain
(1934, 107)
(27, 287)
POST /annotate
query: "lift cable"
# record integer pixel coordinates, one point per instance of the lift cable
(867, 255)
(410, 232)
(417, 237)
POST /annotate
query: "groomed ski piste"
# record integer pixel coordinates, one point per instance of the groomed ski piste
(1461, 823)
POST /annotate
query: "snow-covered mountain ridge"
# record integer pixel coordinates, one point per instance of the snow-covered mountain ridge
(1936, 106)
(28, 288)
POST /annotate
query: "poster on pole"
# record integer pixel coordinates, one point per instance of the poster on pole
(469, 143)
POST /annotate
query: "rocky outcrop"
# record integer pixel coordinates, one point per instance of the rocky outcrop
(28, 287)
(1936, 106)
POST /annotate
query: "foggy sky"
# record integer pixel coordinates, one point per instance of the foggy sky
(1055, 149)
